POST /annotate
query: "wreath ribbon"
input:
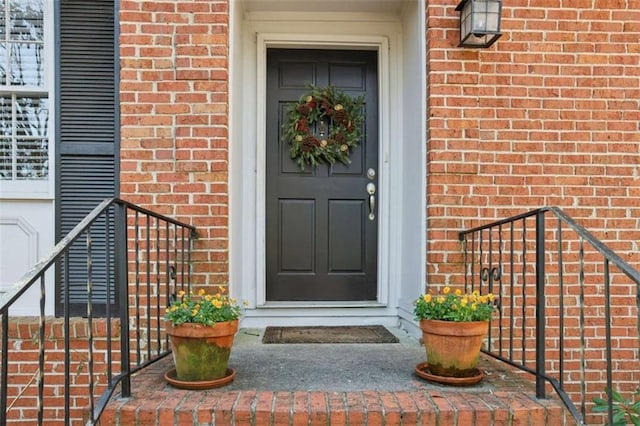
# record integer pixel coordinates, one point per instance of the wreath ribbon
(341, 114)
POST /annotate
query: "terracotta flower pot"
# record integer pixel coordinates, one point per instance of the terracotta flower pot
(201, 352)
(453, 348)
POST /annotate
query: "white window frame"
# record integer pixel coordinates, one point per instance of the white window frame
(37, 188)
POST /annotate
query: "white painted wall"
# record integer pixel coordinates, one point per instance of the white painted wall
(413, 180)
(27, 219)
(26, 235)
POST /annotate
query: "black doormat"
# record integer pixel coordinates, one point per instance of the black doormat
(341, 334)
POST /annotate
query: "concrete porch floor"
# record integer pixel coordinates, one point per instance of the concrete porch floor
(321, 384)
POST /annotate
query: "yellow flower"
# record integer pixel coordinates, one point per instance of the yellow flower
(323, 143)
(201, 292)
(298, 138)
(217, 303)
(440, 299)
(474, 306)
(427, 298)
(308, 98)
(207, 297)
(464, 301)
(338, 107)
(344, 147)
(446, 290)
(458, 292)
(181, 293)
(194, 312)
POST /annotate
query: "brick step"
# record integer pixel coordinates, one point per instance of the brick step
(334, 385)
(446, 407)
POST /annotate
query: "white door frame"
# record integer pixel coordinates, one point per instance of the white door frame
(309, 41)
(247, 163)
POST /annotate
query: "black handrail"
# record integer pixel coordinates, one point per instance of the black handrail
(478, 249)
(169, 250)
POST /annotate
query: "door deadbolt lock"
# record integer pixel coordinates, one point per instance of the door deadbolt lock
(371, 174)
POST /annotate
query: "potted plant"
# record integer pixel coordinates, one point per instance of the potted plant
(201, 330)
(453, 326)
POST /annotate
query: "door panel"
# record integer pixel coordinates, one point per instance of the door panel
(346, 236)
(297, 236)
(320, 243)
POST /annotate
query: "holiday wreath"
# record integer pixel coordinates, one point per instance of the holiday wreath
(337, 118)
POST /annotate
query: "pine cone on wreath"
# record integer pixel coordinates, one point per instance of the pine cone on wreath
(308, 143)
(339, 116)
(302, 125)
(303, 109)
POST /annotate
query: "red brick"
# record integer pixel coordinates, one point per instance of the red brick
(427, 410)
(223, 411)
(337, 409)
(355, 408)
(318, 408)
(264, 408)
(282, 408)
(243, 407)
(300, 408)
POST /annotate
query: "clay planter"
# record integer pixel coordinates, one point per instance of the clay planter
(453, 348)
(201, 352)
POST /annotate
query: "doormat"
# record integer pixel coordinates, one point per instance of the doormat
(341, 334)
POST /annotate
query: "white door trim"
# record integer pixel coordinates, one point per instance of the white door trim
(402, 162)
(381, 45)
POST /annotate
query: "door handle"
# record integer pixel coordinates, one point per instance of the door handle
(371, 190)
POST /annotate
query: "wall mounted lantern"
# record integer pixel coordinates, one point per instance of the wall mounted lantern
(479, 22)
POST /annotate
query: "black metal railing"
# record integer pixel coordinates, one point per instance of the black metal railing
(130, 260)
(569, 306)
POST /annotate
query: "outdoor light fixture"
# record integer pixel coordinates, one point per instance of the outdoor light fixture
(479, 22)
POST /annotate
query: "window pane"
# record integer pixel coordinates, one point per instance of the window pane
(2, 21)
(3, 63)
(5, 159)
(32, 159)
(27, 64)
(5, 117)
(26, 20)
(32, 117)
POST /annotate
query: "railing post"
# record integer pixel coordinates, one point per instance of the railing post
(122, 289)
(540, 305)
(4, 374)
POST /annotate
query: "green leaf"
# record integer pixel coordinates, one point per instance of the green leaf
(616, 396)
(599, 401)
(635, 419)
(618, 418)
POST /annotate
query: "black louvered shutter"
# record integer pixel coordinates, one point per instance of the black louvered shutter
(87, 141)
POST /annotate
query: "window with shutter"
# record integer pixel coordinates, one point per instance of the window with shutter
(88, 139)
(24, 100)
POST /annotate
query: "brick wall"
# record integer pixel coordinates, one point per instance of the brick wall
(22, 387)
(174, 110)
(550, 115)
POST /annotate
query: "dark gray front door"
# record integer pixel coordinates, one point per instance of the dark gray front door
(320, 241)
